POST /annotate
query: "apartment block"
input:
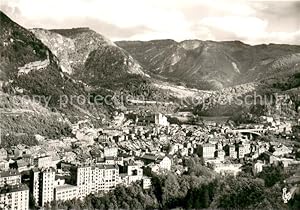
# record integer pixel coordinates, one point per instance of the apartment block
(146, 181)
(220, 154)
(134, 173)
(11, 177)
(45, 162)
(42, 185)
(95, 178)
(207, 150)
(241, 151)
(232, 152)
(14, 197)
(65, 192)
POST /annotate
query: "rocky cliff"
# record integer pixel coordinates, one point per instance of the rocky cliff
(88, 56)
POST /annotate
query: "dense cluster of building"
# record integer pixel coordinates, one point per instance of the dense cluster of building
(95, 161)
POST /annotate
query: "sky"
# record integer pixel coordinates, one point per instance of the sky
(253, 22)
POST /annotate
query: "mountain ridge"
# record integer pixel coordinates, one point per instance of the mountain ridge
(78, 48)
(82, 62)
(220, 64)
(30, 70)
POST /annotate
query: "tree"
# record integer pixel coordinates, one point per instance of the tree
(295, 202)
(198, 198)
(170, 190)
(236, 193)
(271, 175)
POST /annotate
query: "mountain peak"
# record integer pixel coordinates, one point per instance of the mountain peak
(191, 44)
(88, 55)
(72, 31)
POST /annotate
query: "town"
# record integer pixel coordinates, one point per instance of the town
(95, 161)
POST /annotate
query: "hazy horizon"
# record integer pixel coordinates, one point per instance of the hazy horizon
(251, 22)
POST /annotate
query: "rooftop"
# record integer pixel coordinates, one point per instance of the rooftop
(13, 188)
(65, 186)
(9, 173)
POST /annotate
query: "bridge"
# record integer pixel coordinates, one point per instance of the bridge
(255, 131)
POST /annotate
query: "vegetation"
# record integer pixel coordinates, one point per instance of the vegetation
(25, 118)
(249, 115)
(198, 188)
(9, 140)
(272, 175)
(22, 128)
(287, 82)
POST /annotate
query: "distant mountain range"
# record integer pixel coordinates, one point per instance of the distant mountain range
(212, 65)
(80, 61)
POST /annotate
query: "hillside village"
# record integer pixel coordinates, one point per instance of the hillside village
(130, 151)
(176, 130)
